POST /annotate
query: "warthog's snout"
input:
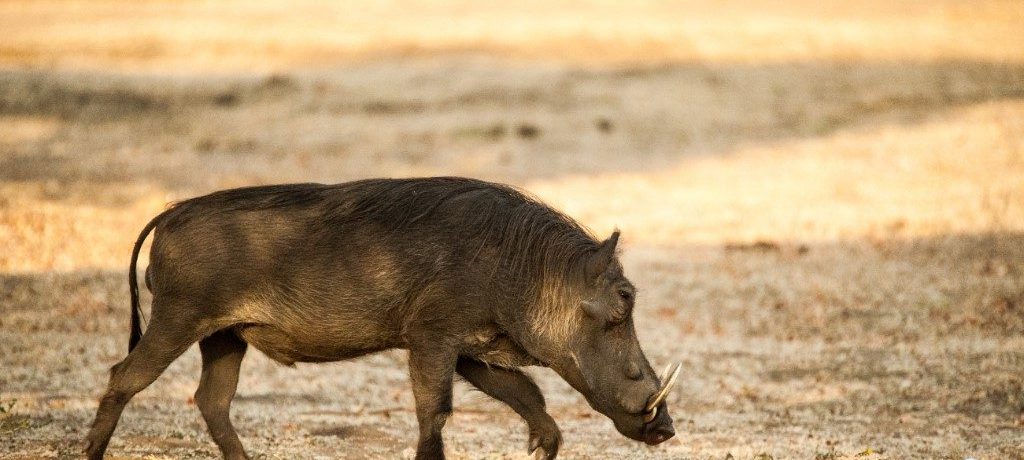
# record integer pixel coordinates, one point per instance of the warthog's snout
(653, 425)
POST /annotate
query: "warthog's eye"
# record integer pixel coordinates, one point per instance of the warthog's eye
(626, 296)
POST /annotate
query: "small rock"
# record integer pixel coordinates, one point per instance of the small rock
(527, 131)
(226, 99)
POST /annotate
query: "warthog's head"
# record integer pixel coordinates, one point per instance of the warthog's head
(597, 351)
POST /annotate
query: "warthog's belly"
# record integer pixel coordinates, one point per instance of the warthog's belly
(289, 349)
(489, 346)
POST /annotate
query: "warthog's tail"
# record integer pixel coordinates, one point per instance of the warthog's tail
(133, 282)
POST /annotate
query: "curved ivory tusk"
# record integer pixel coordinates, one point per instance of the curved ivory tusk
(668, 379)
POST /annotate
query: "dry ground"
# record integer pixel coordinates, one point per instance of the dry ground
(823, 206)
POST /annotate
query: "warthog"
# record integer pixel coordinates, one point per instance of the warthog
(473, 278)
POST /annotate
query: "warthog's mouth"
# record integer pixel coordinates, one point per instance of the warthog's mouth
(668, 380)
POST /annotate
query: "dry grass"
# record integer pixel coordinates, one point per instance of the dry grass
(823, 206)
(238, 36)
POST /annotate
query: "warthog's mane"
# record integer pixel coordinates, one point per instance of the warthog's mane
(544, 250)
(530, 235)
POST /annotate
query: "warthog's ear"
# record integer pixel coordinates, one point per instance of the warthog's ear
(605, 253)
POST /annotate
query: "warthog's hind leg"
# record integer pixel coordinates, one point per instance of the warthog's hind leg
(222, 355)
(164, 341)
(516, 389)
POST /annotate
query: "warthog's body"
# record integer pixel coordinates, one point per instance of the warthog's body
(470, 277)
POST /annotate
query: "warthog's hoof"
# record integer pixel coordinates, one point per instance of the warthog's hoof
(545, 442)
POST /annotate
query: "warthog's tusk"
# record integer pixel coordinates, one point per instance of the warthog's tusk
(668, 379)
(648, 417)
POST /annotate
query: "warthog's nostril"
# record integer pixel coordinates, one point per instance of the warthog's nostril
(660, 435)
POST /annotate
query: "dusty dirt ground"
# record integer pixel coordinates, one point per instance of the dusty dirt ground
(822, 206)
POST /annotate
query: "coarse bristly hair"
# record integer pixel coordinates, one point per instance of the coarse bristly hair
(543, 249)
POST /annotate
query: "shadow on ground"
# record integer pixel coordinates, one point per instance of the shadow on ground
(497, 119)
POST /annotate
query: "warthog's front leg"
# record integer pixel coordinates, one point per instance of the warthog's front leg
(431, 371)
(518, 391)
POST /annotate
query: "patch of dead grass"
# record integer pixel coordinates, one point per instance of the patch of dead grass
(821, 203)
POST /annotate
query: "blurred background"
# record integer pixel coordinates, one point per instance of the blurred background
(822, 204)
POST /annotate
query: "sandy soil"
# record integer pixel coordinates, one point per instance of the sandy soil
(822, 206)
